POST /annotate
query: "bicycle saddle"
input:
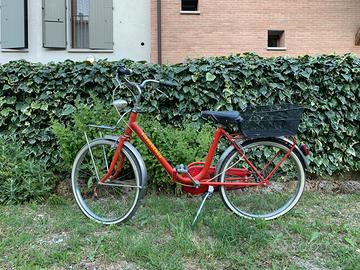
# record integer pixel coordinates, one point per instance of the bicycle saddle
(222, 117)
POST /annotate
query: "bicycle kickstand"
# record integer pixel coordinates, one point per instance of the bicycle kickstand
(205, 196)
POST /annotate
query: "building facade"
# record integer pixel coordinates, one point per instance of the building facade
(55, 30)
(170, 31)
(195, 28)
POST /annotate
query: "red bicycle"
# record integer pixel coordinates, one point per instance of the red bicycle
(260, 175)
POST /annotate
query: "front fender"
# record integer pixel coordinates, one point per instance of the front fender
(137, 155)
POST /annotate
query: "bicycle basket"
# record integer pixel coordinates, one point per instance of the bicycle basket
(271, 121)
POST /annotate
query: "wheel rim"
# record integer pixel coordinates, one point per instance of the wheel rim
(286, 185)
(113, 201)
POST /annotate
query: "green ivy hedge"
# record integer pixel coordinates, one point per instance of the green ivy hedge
(32, 94)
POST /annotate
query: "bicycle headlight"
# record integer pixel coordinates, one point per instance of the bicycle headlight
(120, 104)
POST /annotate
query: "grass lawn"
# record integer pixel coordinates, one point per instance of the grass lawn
(321, 232)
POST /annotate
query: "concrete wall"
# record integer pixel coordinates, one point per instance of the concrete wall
(131, 28)
(237, 26)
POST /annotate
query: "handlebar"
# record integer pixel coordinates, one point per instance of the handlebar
(122, 74)
(123, 71)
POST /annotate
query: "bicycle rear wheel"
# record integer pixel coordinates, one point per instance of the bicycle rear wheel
(286, 184)
(111, 202)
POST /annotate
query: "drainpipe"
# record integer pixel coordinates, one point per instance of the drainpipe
(159, 32)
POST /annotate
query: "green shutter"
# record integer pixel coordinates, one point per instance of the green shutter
(54, 23)
(14, 24)
(101, 24)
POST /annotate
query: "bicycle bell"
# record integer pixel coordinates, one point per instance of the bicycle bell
(120, 104)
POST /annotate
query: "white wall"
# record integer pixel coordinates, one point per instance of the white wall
(131, 28)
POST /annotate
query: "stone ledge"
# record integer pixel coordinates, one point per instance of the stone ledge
(327, 186)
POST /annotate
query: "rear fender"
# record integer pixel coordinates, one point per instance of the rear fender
(297, 150)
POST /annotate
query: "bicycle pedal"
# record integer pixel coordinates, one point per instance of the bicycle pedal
(181, 168)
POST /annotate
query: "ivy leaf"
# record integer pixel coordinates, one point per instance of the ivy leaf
(35, 105)
(10, 100)
(6, 112)
(263, 90)
(22, 106)
(346, 77)
(351, 151)
(68, 109)
(306, 73)
(44, 107)
(6, 87)
(210, 77)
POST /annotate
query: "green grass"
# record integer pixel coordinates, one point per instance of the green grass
(321, 232)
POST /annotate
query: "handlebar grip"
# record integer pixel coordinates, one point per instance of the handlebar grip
(168, 84)
(123, 71)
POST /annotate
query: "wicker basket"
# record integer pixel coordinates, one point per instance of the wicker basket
(271, 120)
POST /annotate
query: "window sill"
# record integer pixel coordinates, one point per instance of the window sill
(182, 12)
(15, 50)
(89, 51)
(276, 48)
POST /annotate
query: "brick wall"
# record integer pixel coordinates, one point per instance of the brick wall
(237, 26)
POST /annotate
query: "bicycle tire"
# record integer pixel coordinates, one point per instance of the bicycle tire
(113, 207)
(246, 202)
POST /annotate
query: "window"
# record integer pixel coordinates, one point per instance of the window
(189, 5)
(91, 24)
(276, 39)
(80, 24)
(14, 28)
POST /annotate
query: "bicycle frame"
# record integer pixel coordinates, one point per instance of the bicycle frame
(202, 175)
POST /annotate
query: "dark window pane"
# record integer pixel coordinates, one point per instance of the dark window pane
(276, 38)
(273, 41)
(80, 23)
(189, 5)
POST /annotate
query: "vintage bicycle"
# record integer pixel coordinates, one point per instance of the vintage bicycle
(261, 175)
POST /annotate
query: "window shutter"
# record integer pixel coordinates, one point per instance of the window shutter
(14, 24)
(101, 24)
(54, 23)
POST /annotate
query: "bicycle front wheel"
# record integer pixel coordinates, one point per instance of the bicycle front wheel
(115, 200)
(263, 202)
